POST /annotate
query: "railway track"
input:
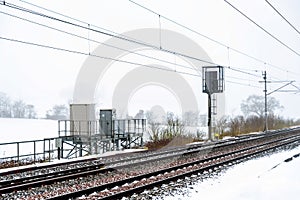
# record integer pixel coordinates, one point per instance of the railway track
(32, 176)
(174, 163)
(142, 182)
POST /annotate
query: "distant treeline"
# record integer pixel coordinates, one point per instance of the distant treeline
(19, 109)
(15, 109)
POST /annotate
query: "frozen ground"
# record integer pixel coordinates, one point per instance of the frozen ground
(16, 130)
(257, 179)
(12, 130)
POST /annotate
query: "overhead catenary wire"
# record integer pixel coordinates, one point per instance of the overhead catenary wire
(107, 58)
(175, 52)
(78, 52)
(77, 20)
(298, 88)
(60, 20)
(207, 37)
(118, 36)
(93, 55)
(278, 80)
(280, 87)
(241, 79)
(282, 16)
(109, 34)
(263, 29)
(243, 84)
(92, 40)
(160, 35)
(161, 16)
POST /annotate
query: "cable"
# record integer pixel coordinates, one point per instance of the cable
(123, 61)
(282, 16)
(237, 70)
(86, 54)
(238, 51)
(77, 20)
(289, 82)
(107, 34)
(243, 84)
(160, 48)
(298, 88)
(108, 58)
(209, 38)
(102, 43)
(280, 88)
(22, 9)
(251, 20)
(242, 79)
(70, 23)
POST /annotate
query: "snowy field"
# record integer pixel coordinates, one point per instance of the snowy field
(257, 179)
(12, 130)
(16, 130)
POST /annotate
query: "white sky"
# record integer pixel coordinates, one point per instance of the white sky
(45, 77)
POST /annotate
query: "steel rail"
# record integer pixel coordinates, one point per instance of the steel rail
(141, 188)
(89, 170)
(290, 139)
(179, 151)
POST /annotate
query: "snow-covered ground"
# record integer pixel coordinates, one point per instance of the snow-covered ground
(12, 130)
(257, 179)
(17, 130)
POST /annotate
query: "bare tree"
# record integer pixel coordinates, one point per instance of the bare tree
(18, 109)
(221, 124)
(5, 106)
(30, 112)
(174, 127)
(58, 112)
(153, 126)
(255, 104)
(236, 125)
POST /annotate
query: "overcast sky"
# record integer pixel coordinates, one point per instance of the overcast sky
(45, 77)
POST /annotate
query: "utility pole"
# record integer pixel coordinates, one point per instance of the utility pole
(266, 101)
(276, 90)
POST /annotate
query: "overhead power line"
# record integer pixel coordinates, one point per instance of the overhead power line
(280, 87)
(207, 37)
(282, 17)
(92, 40)
(241, 79)
(112, 46)
(77, 20)
(160, 16)
(102, 57)
(243, 84)
(107, 34)
(107, 58)
(93, 55)
(112, 35)
(259, 26)
(40, 14)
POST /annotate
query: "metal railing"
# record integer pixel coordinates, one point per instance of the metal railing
(120, 128)
(31, 150)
